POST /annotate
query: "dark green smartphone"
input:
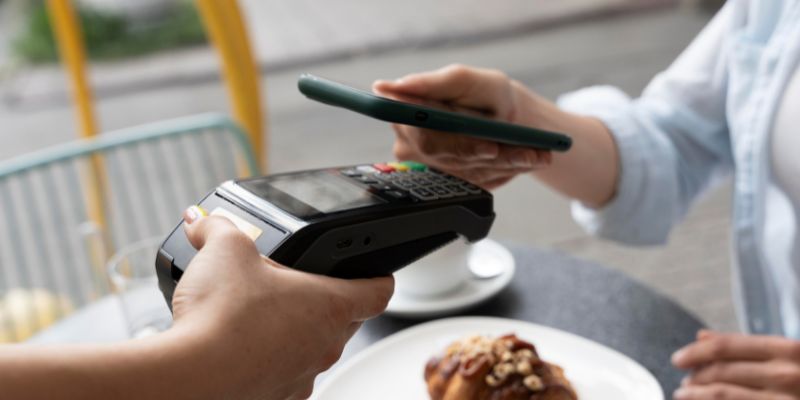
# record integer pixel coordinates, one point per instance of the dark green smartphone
(337, 94)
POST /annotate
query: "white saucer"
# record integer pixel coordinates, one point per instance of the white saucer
(473, 291)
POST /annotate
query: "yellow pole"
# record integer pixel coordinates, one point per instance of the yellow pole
(233, 18)
(227, 32)
(69, 38)
(68, 34)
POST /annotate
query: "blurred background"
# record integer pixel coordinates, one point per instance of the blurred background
(150, 60)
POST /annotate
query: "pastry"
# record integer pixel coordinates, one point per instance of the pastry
(503, 368)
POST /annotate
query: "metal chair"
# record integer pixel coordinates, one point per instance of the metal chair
(53, 253)
(227, 32)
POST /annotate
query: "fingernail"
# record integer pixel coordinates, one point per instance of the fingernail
(486, 150)
(685, 381)
(678, 356)
(681, 394)
(193, 213)
(545, 157)
(704, 334)
(521, 160)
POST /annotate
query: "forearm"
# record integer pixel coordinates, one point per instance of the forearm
(588, 171)
(156, 368)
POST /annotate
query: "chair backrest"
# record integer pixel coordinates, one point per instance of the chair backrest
(52, 256)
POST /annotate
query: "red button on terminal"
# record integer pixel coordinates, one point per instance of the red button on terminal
(386, 169)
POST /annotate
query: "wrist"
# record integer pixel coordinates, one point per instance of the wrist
(193, 361)
(588, 172)
(209, 360)
(532, 109)
(177, 364)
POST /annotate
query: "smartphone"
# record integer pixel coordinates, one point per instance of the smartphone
(339, 95)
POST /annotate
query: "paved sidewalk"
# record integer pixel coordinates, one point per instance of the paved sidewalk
(301, 32)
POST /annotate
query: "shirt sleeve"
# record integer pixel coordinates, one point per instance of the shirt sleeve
(673, 141)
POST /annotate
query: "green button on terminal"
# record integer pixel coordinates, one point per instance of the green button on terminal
(415, 166)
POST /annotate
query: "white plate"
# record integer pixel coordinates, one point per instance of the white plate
(473, 291)
(393, 367)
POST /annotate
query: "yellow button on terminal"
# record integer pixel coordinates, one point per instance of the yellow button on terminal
(398, 166)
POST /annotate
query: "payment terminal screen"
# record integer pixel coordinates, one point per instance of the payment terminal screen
(307, 194)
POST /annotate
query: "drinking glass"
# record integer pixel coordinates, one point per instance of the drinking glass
(132, 272)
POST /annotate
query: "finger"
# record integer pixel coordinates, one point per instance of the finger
(270, 262)
(452, 163)
(438, 148)
(305, 392)
(497, 183)
(445, 84)
(365, 298)
(546, 156)
(439, 105)
(758, 375)
(522, 157)
(723, 391)
(703, 334)
(378, 88)
(485, 176)
(732, 347)
(454, 150)
(476, 88)
(193, 213)
(446, 145)
(508, 158)
(352, 329)
(200, 229)
(452, 166)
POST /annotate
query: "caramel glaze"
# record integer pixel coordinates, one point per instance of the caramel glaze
(440, 370)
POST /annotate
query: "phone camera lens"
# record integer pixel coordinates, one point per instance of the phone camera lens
(421, 116)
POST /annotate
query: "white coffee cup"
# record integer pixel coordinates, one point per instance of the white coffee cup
(436, 274)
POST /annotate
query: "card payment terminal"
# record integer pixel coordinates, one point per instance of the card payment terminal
(351, 222)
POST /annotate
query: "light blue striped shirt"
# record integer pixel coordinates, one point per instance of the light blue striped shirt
(710, 115)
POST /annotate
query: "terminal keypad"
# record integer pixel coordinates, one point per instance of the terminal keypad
(410, 181)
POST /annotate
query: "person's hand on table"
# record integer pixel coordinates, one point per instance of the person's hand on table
(484, 92)
(739, 367)
(244, 328)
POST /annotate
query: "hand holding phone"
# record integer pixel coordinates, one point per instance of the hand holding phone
(485, 94)
(337, 94)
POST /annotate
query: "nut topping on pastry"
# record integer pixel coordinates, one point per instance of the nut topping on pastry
(503, 368)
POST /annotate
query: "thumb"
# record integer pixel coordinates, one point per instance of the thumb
(200, 228)
(445, 84)
(366, 298)
(479, 89)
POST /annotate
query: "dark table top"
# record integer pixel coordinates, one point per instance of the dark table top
(553, 289)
